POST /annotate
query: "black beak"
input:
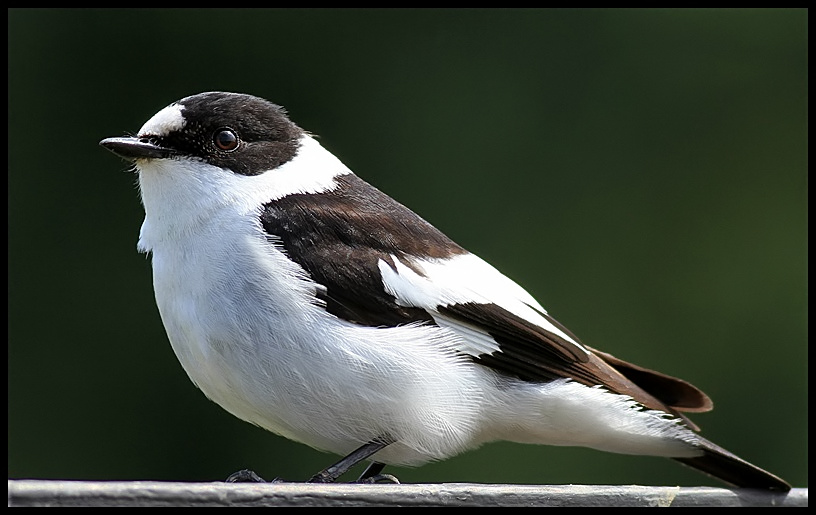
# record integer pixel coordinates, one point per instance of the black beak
(136, 148)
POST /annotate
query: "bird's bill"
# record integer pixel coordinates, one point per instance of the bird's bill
(136, 148)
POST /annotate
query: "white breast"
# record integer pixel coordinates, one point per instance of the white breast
(245, 325)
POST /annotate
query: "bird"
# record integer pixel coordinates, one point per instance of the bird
(305, 301)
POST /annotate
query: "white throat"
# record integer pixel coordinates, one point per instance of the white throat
(179, 195)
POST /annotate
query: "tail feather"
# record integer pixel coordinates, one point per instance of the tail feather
(726, 466)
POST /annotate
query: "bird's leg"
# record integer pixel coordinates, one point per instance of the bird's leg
(372, 470)
(330, 474)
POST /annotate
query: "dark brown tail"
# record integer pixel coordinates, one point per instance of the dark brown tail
(728, 467)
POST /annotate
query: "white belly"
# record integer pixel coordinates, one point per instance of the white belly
(255, 342)
(264, 351)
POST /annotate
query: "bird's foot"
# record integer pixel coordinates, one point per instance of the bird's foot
(248, 476)
(379, 478)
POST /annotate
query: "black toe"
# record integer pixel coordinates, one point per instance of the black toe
(245, 476)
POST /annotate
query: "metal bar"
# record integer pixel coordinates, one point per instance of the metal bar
(154, 493)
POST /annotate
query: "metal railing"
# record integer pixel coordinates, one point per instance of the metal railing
(155, 493)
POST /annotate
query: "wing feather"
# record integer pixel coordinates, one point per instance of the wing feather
(376, 263)
(504, 328)
(470, 289)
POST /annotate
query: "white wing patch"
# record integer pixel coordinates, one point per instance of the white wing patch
(462, 279)
(475, 341)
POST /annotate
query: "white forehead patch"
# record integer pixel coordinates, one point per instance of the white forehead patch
(164, 122)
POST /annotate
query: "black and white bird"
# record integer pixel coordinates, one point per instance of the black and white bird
(305, 301)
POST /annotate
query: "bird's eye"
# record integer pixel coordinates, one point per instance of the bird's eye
(225, 139)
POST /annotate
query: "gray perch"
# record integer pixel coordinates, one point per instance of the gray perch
(155, 493)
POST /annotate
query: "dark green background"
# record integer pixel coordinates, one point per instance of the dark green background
(642, 172)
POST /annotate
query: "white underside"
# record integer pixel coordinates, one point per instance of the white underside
(242, 319)
(314, 378)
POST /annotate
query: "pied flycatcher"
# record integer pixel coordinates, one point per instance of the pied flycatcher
(304, 300)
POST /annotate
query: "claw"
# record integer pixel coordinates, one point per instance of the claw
(379, 478)
(245, 476)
